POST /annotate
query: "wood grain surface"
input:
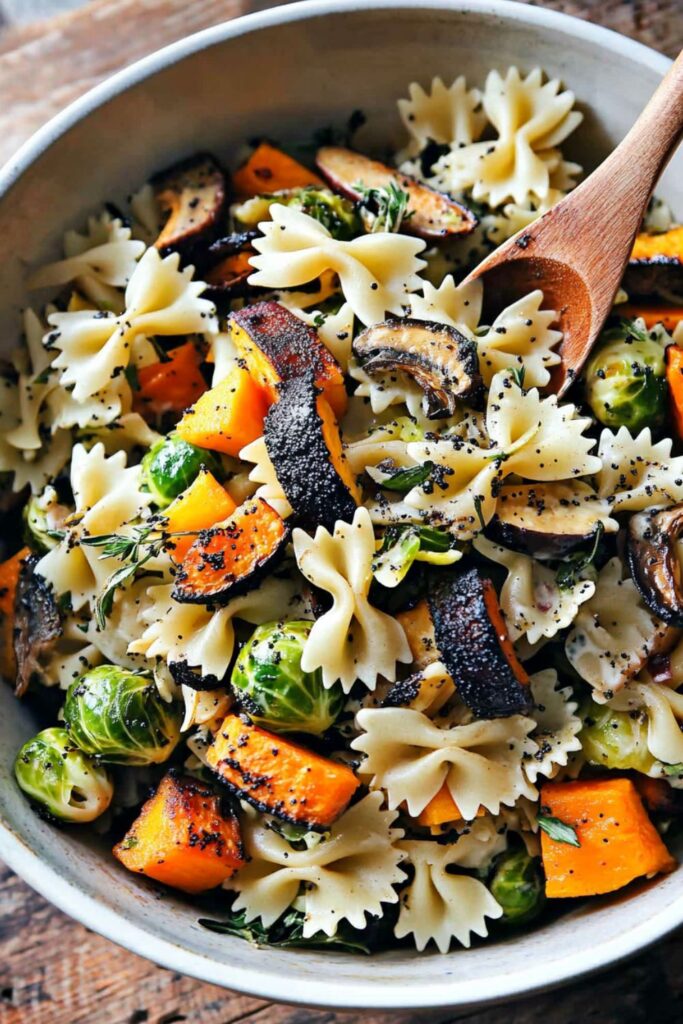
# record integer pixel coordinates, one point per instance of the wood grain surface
(53, 971)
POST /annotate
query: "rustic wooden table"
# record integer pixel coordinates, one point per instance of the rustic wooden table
(53, 971)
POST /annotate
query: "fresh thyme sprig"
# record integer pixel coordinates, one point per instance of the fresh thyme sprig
(386, 208)
(134, 550)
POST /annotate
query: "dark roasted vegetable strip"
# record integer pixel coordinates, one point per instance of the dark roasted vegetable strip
(37, 624)
(653, 561)
(192, 196)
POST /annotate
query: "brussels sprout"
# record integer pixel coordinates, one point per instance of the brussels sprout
(58, 776)
(170, 466)
(334, 212)
(118, 715)
(44, 520)
(273, 688)
(517, 885)
(615, 739)
(625, 379)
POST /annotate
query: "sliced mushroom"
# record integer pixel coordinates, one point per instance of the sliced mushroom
(548, 520)
(430, 214)
(37, 625)
(441, 360)
(192, 196)
(184, 675)
(653, 561)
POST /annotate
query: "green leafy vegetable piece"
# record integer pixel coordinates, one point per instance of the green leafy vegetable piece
(569, 572)
(403, 480)
(171, 465)
(614, 739)
(385, 208)
(625, 379)
(288, 932)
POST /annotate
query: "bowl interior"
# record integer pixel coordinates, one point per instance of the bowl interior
(284, 78)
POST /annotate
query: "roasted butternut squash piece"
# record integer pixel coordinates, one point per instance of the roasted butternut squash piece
(472, 637)
(653, 313)
(204, 503)
(10, 571)
(419, 630)
(228, 417)
(279, 776)
(656, 266)
(674, 378)
(304, 444)
(232, 558)
(277, 346)
(667, 243)
(172, 385)
(617, 841)
(441, 809)
(183, 838)
(268, 169)
(229, 276)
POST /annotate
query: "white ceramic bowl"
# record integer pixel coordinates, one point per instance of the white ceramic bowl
(284, 73)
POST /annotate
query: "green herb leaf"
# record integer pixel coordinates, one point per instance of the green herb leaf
(387, 208)
(567, 576)
(518, 374)
(558, 830)
(403, 480)
(286, 932)
(672, 769)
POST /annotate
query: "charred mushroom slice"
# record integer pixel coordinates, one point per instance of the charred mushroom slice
(430, 214)
(305, 446)
(656, 266)
(37, 625)
(654, 562)
(547, 520)
(233, 558)
(192, 196)
(442, 361)
(475, 647)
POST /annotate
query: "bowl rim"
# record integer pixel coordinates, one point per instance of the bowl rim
(85, 909)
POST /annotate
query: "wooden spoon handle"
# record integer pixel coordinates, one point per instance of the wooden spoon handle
(624, 182)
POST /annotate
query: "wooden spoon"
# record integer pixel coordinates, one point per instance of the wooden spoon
(578, 251)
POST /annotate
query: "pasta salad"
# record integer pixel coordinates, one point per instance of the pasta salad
(331, 611)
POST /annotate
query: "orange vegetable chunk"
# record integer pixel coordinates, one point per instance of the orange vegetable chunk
(182, 838)
(173, 385)
(667, 243)
(204, 503)
(228, 417)
(279, 776)
(618, 841)
(9, 578)
(674, 378)
(653, 314)
(268, 169)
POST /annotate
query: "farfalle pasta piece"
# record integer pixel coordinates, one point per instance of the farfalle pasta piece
(439, 904)
(353, 640)
(531, 120)
(557, 726)
(263, 474)
(663, 707)
(448, 115)
(107, 496)
(204, 707)
(521, 337)
(204, 638)
(347, 876)
(462, 492)
(100, 262)
(636, 473)
(97, 346)
(410, 758)
(391, 389)
(123, 434)
(377, 272)
(35, 469)
(614, 634)
(458, 305)
(533, 603)
(539, 438)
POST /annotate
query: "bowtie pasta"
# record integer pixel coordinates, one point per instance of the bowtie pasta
(310, 546)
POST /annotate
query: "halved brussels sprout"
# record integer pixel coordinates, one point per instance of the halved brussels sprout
(517, 885)
(171, 465)
(273, 688)
(44, 520)
(615, 739)
(118, 715)
(59, 777)
(626, 379)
